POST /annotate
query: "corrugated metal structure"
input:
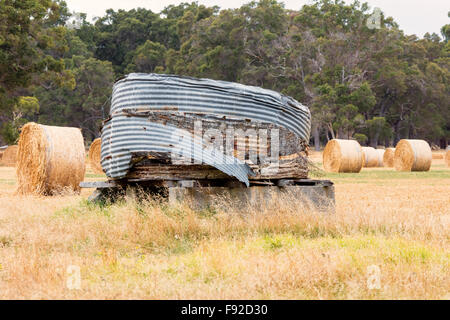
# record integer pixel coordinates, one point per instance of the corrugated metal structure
(144, 106)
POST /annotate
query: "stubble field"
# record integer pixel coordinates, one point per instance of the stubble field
(389, 239)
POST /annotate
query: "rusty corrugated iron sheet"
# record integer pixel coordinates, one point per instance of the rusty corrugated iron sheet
(124, 135)
(126, 132)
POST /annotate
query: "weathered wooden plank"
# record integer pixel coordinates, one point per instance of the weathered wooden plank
(159, 167)
(175, 172)
(303, 182)
(193, 172)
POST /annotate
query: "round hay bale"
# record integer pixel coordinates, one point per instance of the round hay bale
(94, 155)
(388, 158)
(412, 155)
(9, 157)
(447, 157)
(51, 159)
(380, 154)
(370, 157)
(342, 156)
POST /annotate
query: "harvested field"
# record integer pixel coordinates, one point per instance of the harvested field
(398, 225)
(438, 155)
(9, 156)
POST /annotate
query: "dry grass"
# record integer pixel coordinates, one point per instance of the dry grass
(400, 223)
(9, 156)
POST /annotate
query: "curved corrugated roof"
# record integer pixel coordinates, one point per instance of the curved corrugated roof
(123, 135)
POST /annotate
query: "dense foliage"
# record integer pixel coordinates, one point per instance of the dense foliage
(376, 85)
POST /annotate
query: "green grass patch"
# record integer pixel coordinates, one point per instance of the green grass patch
(371, 175)
(85, 207)
(8, 181)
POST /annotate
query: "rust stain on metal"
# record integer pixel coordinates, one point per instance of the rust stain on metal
(167, 108)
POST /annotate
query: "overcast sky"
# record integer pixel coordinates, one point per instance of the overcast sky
(413, 16)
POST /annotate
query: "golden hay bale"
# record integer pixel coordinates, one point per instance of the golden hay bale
(50, 159)
(95, 154)
(370, 157)
(447, 157)
(388, 158)
(412, 155)
(380, 154)
(9, 157)
(342, 156)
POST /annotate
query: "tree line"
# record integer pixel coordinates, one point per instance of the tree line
(372, 83)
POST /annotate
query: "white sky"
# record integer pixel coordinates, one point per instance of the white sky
(413, 16)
